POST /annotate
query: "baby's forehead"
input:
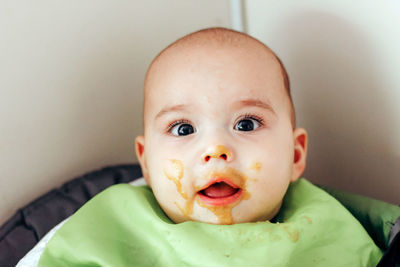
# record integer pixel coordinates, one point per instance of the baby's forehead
(210, 40)
(199, 50)
(206, 48)
(191, 56)
(208, 82)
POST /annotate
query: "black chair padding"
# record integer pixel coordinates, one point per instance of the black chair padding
(391, 257)
(30, 223)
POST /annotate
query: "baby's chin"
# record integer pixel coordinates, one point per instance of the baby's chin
(222, 218)
(217, 222)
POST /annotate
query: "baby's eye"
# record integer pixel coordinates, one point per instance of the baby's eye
(182, 129)
(247, 124)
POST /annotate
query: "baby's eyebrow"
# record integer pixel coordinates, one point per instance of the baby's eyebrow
(256, 103)
(170, 109)
(240, 104)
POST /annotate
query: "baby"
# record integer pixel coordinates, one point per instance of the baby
(220, 143)
(222, 155)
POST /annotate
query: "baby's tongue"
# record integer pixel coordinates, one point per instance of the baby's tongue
(219, 190)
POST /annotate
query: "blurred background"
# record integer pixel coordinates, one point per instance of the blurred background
(72, 72)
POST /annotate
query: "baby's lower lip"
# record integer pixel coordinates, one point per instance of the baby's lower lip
(220, 201)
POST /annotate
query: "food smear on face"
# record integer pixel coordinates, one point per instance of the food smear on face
(224, 191)
(226, 188)
(174, 172)
(188, 209)
(224, 213)
(256, 166)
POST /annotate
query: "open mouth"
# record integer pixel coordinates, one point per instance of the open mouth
(220, 192)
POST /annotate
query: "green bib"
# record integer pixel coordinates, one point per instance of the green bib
(125, 226)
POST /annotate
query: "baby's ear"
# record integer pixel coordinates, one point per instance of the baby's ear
(300, 139)
(140, 152)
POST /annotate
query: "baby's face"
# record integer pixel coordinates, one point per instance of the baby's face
(219, 145)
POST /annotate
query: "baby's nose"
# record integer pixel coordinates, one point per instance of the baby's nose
(217, 152)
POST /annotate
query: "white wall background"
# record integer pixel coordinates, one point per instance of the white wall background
(344, 63)
(71, 75)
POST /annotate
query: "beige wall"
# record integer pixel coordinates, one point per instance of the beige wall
(343, 60)
(71, 84)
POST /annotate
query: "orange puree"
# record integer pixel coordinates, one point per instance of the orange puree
(188, 210)
(256, 166)
(293, 234)
(224, 213)
(174, 171)
(308, 219)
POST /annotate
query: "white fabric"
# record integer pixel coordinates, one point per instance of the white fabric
(32, 257)
(138, 182)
